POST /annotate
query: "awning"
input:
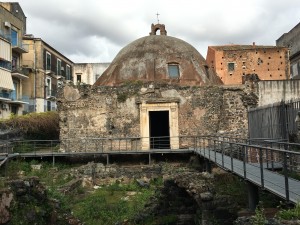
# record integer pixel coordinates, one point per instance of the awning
(6, 81)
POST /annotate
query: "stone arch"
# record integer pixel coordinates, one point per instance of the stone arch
(156, 27)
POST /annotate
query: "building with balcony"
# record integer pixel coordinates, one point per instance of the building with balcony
(235, 64)
(47, 68)
(88, 73)
(13, 75)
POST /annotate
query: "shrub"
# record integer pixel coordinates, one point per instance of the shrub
(290, 214)
(39, 126)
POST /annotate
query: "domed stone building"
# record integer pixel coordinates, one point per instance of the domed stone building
(159, 58)
(157, 90)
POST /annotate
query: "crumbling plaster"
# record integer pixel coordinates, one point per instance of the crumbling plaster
(115, 111)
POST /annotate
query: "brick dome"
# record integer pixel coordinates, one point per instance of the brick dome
(158, 58)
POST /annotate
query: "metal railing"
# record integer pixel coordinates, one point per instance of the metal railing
(270, 164)
(30, 146)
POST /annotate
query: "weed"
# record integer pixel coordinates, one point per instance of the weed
(259, 218)
(290, 214)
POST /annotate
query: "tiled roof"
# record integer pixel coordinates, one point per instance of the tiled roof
(242, 47)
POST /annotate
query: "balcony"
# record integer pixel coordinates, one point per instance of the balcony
(5, 95)
(18, 101)
(19, 47)
(21, 73)
(11, 97)
(5, 64)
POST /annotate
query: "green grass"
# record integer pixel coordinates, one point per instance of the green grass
(112, 204)
(47, 174)
(107, 205)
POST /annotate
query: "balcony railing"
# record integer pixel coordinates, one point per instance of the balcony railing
(20, 72)
(5, 64)
(5, 95)
(19, 47)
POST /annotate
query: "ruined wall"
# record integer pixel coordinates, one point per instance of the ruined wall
(114, 112)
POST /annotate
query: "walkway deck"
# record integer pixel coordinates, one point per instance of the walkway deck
(210, 147)
(269, 180)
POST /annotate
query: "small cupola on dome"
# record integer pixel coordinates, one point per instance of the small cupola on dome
(156, 27)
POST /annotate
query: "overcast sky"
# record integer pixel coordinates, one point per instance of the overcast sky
(96, 30)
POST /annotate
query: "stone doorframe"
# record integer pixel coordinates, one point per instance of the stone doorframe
(145, 108)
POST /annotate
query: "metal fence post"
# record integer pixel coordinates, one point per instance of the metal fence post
(272, 157)
(286, 178)
(203, 147)
(244, 162)
(222, 147)
(208, 141)
(231, 157)
(261, 167)
(215, 150)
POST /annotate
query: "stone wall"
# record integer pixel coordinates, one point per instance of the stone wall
(270, 92)
(114, 112)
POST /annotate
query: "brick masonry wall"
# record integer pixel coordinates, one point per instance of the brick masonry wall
(267, 63)
(114, 111)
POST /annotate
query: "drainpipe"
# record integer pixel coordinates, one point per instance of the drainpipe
(35, 75)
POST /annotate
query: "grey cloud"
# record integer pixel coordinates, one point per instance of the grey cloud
(97, 29)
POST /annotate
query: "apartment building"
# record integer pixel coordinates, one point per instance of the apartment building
(88, 73)
(234, 63)
(291, 40)
(12, 73)
(48, 68)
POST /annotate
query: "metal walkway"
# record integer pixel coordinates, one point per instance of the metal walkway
(264, 178)
(253, 160)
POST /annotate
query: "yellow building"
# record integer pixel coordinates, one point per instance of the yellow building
(47, 69)
(13, 75)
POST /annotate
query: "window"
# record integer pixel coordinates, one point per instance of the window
(48, 106)
(231, 66)
(14, 37)
(78, 77)
(14, 92)
(14, 62)
(48, 87)
(68, 72)
(58, 67)
(48, 61)
(173, 70)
